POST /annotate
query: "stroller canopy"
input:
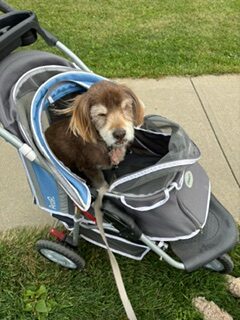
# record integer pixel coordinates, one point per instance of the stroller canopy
(49, 92)
(25, 73)
(11, 69)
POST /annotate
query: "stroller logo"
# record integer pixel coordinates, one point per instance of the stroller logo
(188, 179)
(52, 202)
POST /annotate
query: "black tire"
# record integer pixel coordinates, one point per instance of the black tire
(60, 254)
(223, 264)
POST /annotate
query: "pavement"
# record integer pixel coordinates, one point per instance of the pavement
(207, 107)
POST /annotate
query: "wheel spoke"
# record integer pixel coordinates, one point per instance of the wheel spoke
(60, 254)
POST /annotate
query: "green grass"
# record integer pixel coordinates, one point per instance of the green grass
(141, 38)
(156, 290)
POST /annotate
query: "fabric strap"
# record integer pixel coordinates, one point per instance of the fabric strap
(114, 264)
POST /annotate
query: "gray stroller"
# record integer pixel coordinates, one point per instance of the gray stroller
(159, 196)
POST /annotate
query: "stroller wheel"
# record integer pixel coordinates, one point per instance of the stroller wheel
(60, 254)
(223, 264)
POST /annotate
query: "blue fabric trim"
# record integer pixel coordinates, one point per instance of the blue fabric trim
(75, 81)
(56, 95)
(48, 186)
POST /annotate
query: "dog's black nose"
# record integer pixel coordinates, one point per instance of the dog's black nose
(119, 133)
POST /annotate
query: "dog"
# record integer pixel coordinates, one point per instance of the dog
(98, 130)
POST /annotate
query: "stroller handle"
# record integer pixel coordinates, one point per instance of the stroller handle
(5, 8)
(20, 28)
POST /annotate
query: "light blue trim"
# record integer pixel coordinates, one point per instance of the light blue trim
(49, 188)
(71, 82)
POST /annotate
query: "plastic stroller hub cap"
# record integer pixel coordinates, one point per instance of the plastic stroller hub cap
(58, 258)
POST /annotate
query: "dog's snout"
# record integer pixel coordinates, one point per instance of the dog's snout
(119, 133)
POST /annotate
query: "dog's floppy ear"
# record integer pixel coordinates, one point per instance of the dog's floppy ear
(80, 123)
(138, 107)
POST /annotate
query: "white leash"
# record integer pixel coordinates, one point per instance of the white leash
(114, 264)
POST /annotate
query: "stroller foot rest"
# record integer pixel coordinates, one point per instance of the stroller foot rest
(219, 235)
(117, 244)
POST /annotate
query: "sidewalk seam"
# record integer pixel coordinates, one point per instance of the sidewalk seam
(214, 132)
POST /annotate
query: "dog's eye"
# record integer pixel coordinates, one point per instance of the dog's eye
(102, 114)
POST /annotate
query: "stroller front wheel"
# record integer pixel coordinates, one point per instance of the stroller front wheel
(60, 254)
(223, 264)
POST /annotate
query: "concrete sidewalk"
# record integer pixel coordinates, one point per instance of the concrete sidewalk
(207, 107)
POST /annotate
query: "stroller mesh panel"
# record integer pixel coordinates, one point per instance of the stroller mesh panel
(11, 69)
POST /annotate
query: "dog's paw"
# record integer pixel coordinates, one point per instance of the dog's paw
(117, 155)
(103, 188)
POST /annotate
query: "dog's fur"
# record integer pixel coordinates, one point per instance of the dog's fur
(100, 126)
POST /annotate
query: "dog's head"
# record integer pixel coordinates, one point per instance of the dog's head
(109, 110)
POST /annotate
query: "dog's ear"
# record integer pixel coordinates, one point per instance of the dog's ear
(138, 107)
(80, 123)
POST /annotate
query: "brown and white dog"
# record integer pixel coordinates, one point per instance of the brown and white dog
(98, 131)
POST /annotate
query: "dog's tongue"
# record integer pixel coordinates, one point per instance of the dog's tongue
(117, 155)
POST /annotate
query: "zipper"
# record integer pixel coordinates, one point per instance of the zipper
(189, 214)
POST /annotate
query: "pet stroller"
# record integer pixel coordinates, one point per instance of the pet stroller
(159, 196)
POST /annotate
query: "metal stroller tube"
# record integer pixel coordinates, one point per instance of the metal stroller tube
(72, 55)
(161, 253)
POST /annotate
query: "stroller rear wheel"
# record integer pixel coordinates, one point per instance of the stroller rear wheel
(223, 264)
(60, 254)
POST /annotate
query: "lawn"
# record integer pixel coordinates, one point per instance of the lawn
(28, 283)
(141, 38)
(123, 39)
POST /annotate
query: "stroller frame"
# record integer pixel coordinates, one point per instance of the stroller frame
(26, 33)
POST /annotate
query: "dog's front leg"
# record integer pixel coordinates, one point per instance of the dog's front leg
(96, 177)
